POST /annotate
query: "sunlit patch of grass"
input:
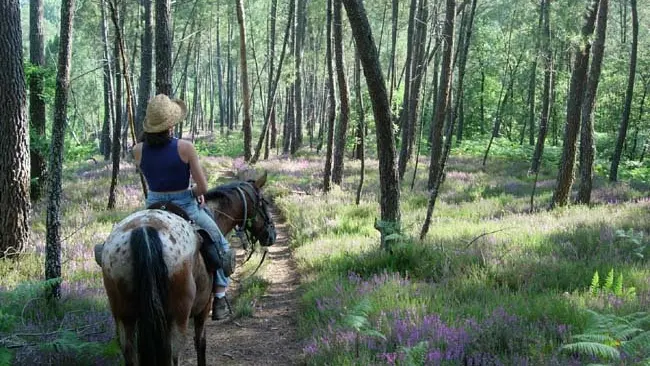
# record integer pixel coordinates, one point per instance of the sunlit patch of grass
(252, 286)
(485, 250)
(252, 289)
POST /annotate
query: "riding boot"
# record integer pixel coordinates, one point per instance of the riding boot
(219, 308)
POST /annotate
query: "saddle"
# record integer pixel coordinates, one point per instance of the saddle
(211, 256)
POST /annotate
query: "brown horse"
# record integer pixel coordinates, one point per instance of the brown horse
(156, 278)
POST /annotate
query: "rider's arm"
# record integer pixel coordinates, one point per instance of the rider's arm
(189, 154)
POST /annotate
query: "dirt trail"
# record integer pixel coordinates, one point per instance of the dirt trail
(269, 336)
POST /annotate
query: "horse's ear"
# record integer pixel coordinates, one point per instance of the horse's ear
(259, 183)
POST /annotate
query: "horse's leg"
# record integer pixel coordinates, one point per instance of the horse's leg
(126, 333)
(182, 291)
(199, 334)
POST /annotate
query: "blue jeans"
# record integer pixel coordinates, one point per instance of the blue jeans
(188, 203)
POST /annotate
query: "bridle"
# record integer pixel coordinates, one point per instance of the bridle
(243, 231)
(244, 226)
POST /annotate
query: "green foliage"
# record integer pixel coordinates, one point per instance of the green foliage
(612, 285)
(69, 343)
(631, 241)
(417, 354)
(607, 335)
(221, 145)
(252, 289)
(77, 152)
(5, 356)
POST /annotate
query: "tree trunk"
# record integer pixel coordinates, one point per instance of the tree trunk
(438, 159)
(622, 130)
(409, 69)
(393, 45)
(301, 20)
(360, 126)
(269, 115)
(574, 103)
(220, 88)
(163, 47)
(109, 111)
(117, 123)
(53, 223)
(331, 109)
(389, 187)
(36, 101)
(344, 97)
(587, 147)
(546, 93)
(146, 61)
(246, 94)
(464, 52)
(438, 121)
(14, 135)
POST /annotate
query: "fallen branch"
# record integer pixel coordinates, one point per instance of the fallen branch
(484, 234)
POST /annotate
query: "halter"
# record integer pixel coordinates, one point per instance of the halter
(242, 230)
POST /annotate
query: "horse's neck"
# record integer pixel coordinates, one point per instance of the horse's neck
(225, 224)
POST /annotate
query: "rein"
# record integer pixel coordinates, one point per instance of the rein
(241, 230)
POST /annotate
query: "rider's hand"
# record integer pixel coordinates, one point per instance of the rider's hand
(201, 200)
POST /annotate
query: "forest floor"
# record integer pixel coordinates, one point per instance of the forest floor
(269, 336)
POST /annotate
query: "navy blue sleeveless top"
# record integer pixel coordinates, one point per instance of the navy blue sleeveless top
(163, 167)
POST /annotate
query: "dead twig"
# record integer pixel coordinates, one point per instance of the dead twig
(484, 234)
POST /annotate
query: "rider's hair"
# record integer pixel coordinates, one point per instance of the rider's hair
(157, 138)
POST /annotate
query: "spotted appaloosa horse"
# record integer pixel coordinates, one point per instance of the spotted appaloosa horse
(156, 279)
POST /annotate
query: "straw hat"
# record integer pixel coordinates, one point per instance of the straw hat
(163, 113)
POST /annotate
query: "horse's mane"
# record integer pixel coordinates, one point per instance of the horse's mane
(224, 190)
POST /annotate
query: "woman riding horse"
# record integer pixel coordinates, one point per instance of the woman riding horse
(156, 278)
(153, 271)
(167, 163)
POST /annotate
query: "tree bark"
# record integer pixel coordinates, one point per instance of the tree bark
(574, 103)
(331, 105)
(38, 167)
(109, 111)
(246, 94)
(393, 45)
(438, 121)
(53, 220)
(163, 47)
(360, 126)
(269, 115)
(546, 93)
(587, 147)
(344, 97)
(301, 20)
(389, 187)
(625, 121)
(458, 112)
(146, 64)
(532, 85)
(438, 159)
(14, 135)
(117, 123)
(409, 69)
(220, 88)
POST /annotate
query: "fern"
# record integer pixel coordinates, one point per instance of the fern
(609, 281)
(69, 342)
(595, 284)
(606, 335)
(416, 355)
(618, 285)
(593, 349)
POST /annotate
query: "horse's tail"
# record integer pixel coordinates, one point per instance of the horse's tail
(151, 289)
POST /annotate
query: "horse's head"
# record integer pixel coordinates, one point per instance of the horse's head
(243, 204)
